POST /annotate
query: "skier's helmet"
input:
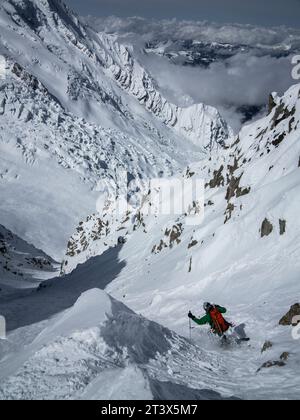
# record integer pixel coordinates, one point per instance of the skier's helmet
(207, 306)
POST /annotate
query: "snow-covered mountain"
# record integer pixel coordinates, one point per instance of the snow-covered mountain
(230, 66)
(244, 255)
(81, 121)
(190, 52)
(263, 153)
(21, 264)
(195, 122)
(77, 110)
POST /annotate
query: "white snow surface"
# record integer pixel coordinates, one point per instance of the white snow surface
(67, 122)
(225, 259)
(99, 349)
(74, 108)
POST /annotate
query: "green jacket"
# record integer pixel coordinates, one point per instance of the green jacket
(206, 319)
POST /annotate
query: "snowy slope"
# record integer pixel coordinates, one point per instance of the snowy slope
(99, 349)
(200, 123)
(21, 264)
(75, 110)
(79, 123)
(245, 255)
(77, 65)
(61, 171)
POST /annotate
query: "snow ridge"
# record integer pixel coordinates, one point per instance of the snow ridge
(197, 122)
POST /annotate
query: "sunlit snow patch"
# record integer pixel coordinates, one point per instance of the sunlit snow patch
(2, 67)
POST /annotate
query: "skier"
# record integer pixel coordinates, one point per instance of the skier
(219, 325)
(214, 318)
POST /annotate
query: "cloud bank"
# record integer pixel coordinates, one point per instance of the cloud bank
(246, 79)
(243, 80)
(150, 29)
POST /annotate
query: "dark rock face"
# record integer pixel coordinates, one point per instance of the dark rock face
(282, 113)
(176, 234)
(192, 243)
(232, 188)
(282, 226)
(121, 240)
(30, 14)
(268, 345)
(27, 78)
(173, 236)
(266, 228)
(58, 7)
(270, 364)
(285, 356)
(218, 179)
(289, 317)
(229, 210)
(190, 264)
(276, 363)
(272, 103)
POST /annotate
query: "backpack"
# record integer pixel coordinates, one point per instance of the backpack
(219, 323)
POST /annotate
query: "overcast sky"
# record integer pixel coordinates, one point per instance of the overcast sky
(260, 12)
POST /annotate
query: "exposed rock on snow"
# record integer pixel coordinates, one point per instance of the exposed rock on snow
(267, 345)
(277, 363)
(250, 179)
(288, 318)
(282, 226)
(266, 228)
(241, 172)
(270, 364)
(21, 264)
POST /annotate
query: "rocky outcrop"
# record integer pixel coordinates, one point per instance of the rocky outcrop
(266, 228)
(172, 237)
(218, 178)
(289, 317)
(192, 243)
(276, 363)
(18, 258)
(272, 102)
(282, 227)
(267, 345)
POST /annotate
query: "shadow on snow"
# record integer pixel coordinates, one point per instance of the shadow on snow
(61, 293)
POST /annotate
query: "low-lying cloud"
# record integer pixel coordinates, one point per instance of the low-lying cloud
(197, 30)
(245, 79)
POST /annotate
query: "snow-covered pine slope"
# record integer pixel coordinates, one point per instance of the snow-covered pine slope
(245, 255)
(21, 264)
